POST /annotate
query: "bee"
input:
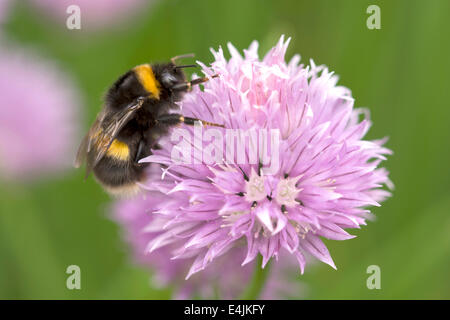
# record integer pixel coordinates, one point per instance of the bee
(135, 115)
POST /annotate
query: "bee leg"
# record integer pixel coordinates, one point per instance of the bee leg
(175, 118)
(140, 151)
(187, 86)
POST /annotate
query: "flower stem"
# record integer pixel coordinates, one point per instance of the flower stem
(256, 284)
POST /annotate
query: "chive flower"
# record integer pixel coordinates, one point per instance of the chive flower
(322, 177)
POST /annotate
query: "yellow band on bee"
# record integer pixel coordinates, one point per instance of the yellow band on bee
(147, 78)
(118, 150)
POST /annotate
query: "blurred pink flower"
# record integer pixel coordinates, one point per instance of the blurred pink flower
(94, 13)
(4, 5)
(223, 280)
(38, 115)
(327, 177)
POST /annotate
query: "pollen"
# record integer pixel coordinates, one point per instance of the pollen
(255, 189)
(287, 192)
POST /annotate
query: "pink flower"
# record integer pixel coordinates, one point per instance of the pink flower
(38, 116)
(4, 6)
(326, 180)
(222, 280)
(94, 14)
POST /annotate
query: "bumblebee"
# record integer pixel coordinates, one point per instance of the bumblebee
(135, 115)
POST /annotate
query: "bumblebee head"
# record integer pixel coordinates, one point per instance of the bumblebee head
(172, 80)
(153, 82)
(164, 81)
(172, 75)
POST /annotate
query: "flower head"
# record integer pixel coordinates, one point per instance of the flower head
(140, 226)
(324, 181)
(38, 115)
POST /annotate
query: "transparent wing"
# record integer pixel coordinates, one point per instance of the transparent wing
(105, 129)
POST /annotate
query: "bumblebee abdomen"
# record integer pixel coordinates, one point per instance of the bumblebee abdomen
(119, 151)
(119, 177)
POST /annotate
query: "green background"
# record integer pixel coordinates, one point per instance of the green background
(401, 72)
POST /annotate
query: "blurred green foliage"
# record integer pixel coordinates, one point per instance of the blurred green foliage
(401, 72)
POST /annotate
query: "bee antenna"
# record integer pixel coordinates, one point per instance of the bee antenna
(188, 85)
(187, 66)
(189, 55)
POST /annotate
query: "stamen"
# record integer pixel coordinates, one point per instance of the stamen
(245, 175)
(287, 192)
(255, 189)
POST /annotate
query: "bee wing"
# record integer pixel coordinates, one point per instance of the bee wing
(88, 145)
(97, 141)
(81, 153)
